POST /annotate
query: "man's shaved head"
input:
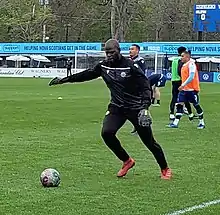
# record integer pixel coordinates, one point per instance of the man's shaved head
(112, 44)
(112, 50)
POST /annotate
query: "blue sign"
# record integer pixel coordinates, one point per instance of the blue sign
(206, 76)
(206, 17)
(217, 77)
(170, 48)
(197, 48)
(126, 46)
(203, 76)
(47, 48)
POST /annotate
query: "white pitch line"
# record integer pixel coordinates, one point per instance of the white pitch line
(195, 207)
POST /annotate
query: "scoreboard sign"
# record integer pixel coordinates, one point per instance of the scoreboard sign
(206, 18)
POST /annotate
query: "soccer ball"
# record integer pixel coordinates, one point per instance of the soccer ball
(50, 178)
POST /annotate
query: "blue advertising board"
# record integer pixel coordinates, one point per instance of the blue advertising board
(203, 76)
(47, 48)
(206, 17)
(126, 46)
(197, 48)
(206, 76)
(216, 78)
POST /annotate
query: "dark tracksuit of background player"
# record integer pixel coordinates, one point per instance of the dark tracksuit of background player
(141, 63)
(130, 93)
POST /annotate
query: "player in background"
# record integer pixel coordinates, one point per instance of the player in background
(156, 81)
(188, 90)
(176, 83)
(135, 56)
(134, 53)
(130, 100)
(69, 66)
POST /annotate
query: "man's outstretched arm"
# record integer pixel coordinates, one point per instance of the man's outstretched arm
(86, 75)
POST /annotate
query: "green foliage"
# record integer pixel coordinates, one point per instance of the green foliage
(23, 20)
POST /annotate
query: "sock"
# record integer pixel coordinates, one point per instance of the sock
(179, 113)
(199, 110)
(188, 107)
(153, 100)
(201, 121)
(158, 102)
(191, 116)
(172, 116)
(176, 121)
(200, 114)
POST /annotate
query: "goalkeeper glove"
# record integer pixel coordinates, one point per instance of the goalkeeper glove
(144, 118)
(55, 81)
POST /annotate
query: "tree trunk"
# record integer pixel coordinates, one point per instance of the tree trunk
(113, 12)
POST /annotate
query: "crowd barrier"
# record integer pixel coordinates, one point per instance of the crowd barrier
(55, 72)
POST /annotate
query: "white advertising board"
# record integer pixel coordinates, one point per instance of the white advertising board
(35, 72)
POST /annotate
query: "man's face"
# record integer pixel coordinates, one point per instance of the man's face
(112, 54)
(185, 57)
(133, 51)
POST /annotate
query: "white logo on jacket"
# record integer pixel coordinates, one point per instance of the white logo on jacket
(123, 74)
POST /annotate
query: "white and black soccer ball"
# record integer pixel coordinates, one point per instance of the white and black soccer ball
(50, 178)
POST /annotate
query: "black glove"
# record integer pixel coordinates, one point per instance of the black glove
(55, 81)
(144, 118)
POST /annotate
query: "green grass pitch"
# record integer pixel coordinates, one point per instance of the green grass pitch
(38, 131)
